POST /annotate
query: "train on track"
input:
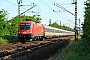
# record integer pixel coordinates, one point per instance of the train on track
(31, 30)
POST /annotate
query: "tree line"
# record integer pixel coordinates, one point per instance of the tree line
(56, 25)
(86, 24)
(10, 26)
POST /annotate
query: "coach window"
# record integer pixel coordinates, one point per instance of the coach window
(48, 29)
(45, 29)
(51, 30)
(62, 32)
(59, 31)
(55, 31)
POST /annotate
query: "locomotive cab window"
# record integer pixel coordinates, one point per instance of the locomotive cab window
(24, 26)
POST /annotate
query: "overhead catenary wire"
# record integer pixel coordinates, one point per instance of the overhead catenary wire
(70, 5)
(10, 2)
(48, 7)
(28, 9)
(14, 4)
(42, 1)
(21, 7)
(58, 5)
(46, 4)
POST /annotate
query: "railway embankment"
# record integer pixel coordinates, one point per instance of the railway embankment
(35, 50)
(45, 52)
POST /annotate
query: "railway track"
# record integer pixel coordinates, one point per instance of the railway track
(10, 51)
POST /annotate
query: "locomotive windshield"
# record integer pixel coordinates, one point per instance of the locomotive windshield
(24, 26)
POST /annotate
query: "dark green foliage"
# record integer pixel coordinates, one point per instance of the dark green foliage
(86, 25)
(66, 28)
(56, 25)
(3, 24)
(78, 50)
(9, 28)
(10, 38)
(13, 23)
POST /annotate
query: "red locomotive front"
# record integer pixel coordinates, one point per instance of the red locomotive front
(29, 30)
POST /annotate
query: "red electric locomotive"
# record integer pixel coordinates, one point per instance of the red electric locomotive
(30, 30)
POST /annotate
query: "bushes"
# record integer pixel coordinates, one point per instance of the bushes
(3, 41)
(79, 50)
(11, 38)
(8, 39)
(86, 24)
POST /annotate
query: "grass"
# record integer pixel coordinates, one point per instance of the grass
(3, 41)
(79, 50)
(8, 39)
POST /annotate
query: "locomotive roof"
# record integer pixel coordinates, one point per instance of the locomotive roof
(26, 22)
(23, 22)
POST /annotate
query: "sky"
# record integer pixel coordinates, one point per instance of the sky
(45, 9)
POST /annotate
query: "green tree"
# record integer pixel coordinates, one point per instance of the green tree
(13, 23)
(3, 23)
(86, 25)
(66, 28)
(56, 25)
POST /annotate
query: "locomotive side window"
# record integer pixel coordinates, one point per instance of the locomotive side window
(24, 26)
(33, 26)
